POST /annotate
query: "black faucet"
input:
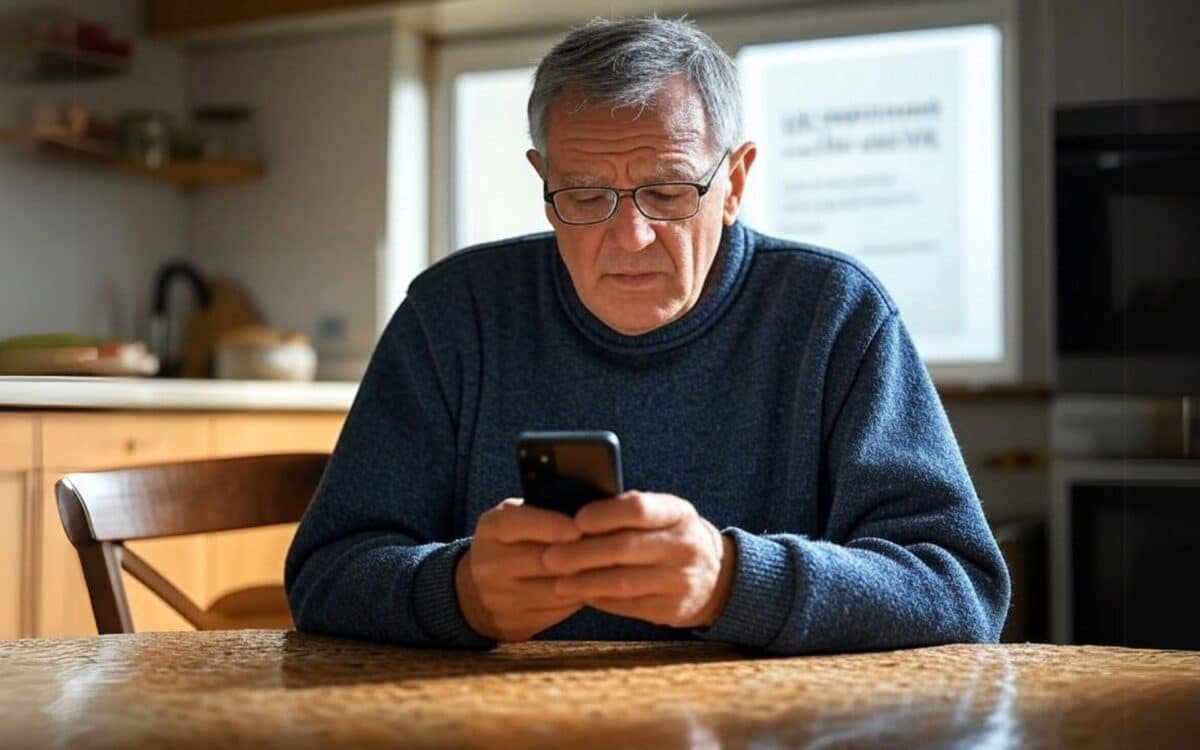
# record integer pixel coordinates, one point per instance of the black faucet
(171, 362)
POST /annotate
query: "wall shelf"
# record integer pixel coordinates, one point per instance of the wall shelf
(59, 63)
(184, 173)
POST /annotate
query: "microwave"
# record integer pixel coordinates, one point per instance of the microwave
(1127, 250)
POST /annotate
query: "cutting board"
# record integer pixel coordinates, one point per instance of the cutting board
(229, 308)
(114, 359)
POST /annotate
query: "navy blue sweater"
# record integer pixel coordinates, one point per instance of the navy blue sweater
(789, 406)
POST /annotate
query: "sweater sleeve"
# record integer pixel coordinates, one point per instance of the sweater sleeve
(905, 557)
(366, 561)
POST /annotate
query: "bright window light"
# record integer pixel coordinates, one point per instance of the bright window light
(889, 147)
(496, 192)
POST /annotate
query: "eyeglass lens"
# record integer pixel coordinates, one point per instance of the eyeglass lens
(586, 205)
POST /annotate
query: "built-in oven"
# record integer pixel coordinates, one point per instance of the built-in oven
(1125, 549)
(1127, 193)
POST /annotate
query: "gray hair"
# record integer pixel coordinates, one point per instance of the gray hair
(626, 63)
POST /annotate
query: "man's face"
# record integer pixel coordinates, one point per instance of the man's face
(633, 273)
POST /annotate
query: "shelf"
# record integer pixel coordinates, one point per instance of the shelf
(49, 63)
(64, 144)
(193, 173)
(184, 173)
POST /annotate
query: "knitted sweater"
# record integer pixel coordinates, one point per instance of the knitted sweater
(789, 406)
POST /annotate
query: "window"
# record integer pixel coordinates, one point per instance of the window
(888, 147)
(483, 188)
(497, 193)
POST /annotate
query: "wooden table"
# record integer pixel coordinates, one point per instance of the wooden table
(276, 688)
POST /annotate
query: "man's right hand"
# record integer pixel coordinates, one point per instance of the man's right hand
(503, 589)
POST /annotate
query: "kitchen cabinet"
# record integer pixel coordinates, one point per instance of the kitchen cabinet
(48, 589)
(254, 557)
(86, 442)
(17, 482)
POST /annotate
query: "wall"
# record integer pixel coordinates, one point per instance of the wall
(308, 240)
(1109, 50)
(78, 245)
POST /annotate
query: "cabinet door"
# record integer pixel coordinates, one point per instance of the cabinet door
(84, 442)
(102, 440)
(249, 434)
(16, 500)
(254, 557)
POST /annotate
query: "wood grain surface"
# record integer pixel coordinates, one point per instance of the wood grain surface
(285, 689)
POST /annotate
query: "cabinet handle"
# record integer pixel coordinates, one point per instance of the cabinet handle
(130, 445)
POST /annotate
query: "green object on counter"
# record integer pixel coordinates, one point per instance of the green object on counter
(47, 341)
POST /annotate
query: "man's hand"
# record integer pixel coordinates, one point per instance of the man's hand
(503, 589)
(649, 556)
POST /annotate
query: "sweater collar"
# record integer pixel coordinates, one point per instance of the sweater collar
(725, 278)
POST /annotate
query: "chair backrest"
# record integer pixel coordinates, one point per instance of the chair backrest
(100, 510)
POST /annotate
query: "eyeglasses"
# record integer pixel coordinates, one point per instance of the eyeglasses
(658, 201)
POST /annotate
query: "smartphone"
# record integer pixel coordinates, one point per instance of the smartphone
(565, 471)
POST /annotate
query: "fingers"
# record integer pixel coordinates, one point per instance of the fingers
(532, 594)
(623, 582)
(654, 608)
(512, 521)
(512, 627)
(618, 548)
(519, 560)
(633, 510)
(506, 593)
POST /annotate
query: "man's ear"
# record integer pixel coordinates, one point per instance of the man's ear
(740, 162)
(539, 166)
(536, 160)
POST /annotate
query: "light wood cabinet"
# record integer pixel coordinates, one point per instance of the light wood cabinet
(253, 557)
(88, 442)
(17, 461)
(53, 601)
(248, 434)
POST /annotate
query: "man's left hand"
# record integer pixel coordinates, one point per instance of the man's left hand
(649, 556)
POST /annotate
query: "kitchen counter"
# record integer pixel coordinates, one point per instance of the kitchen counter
(173, 394)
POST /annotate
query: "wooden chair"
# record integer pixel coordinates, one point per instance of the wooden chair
(101, 510)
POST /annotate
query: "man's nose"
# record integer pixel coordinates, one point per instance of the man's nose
(629, 227)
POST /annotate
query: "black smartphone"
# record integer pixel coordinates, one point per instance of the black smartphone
(564, 471)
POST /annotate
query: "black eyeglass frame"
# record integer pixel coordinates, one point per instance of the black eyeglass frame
(702, 189)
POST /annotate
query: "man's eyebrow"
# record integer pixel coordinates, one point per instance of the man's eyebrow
(582, 179)
(673, 171)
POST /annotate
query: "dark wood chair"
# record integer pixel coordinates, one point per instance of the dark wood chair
(101, 510)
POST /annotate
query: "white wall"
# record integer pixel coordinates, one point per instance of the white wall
(1108, 50)
(308, 240)
(78, 245)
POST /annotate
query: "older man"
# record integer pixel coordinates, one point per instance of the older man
(800, 489)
